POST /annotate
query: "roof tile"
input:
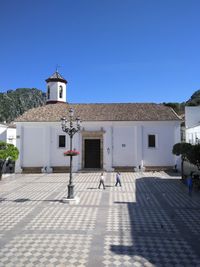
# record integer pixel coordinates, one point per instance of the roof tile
(101, 112)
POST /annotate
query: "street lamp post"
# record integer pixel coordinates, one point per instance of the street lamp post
(71, 127)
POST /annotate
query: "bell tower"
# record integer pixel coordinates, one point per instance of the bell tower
(56, 88)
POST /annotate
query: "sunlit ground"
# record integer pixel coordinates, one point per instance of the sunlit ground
(149, 221)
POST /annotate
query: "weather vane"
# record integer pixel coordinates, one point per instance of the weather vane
(57, 67)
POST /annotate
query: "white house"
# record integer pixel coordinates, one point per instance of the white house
(8, 133)
(192, 124)
(119, 135)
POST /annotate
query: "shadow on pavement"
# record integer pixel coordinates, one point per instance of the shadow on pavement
(156, 234)
(23, 200)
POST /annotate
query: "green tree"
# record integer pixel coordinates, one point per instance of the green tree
(177, 107)
(194, 155)
(183, 150)
(7, 151)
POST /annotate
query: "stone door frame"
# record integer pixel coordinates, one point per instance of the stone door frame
(92, 135)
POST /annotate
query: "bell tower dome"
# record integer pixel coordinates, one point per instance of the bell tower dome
(56, 88)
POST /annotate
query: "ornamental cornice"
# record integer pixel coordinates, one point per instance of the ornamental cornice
(92, 133)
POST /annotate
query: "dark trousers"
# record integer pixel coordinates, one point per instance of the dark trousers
(190, 190)
(118, 182)
(101, 183)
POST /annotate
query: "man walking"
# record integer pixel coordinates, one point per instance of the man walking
(118, 179)
(101, 181)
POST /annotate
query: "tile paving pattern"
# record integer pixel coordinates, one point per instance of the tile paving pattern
(46, 250)
(149, 221)
(70, 218)
(11, 216)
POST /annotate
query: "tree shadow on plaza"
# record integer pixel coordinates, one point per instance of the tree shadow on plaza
(97, 187)
(149, 228)
(23, 200)
(2, 199)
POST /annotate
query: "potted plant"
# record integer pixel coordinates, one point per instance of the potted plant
(7, 151)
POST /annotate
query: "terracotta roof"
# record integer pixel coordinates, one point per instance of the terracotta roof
(101, 112)
(12, 125)
(6, 125)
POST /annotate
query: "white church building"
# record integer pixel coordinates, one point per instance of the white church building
(192, 124)
(113, 136)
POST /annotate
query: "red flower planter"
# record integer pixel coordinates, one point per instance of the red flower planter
(71, 153)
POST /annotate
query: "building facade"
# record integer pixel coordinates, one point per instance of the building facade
(192, 124)
(8, 133)
(120, 135)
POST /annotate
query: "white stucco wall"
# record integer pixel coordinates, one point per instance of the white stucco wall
(124, 144)
(193, 135)
(11, 136)
(8, 134)
(192, 116)
(3, 130)
(165, 139)
(192, 124)
(56, 153)
(54, 91)
(33, 147)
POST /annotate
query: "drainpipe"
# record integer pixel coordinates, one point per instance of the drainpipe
(112, 146)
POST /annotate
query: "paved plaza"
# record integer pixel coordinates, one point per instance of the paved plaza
(149, 221)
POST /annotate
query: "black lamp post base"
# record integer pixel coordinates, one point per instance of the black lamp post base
(71, 201)
(70, 191)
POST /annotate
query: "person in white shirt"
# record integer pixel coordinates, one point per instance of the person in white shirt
(101, 181)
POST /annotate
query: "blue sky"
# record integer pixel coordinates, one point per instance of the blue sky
(108, 50)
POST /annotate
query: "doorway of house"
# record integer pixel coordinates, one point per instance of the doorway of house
(92, 153)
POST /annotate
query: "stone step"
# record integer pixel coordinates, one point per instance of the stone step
(60, 169)
(159, 168)
(31, 169)
(124, 168)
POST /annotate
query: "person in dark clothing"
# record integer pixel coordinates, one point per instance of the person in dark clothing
(190, 184)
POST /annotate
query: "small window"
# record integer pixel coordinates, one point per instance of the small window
(151, 140)
(60, 91)
(48, 92)
(61, 140)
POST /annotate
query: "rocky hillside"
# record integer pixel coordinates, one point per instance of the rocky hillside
(180, 107)
(15, 102)
(194, 99)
